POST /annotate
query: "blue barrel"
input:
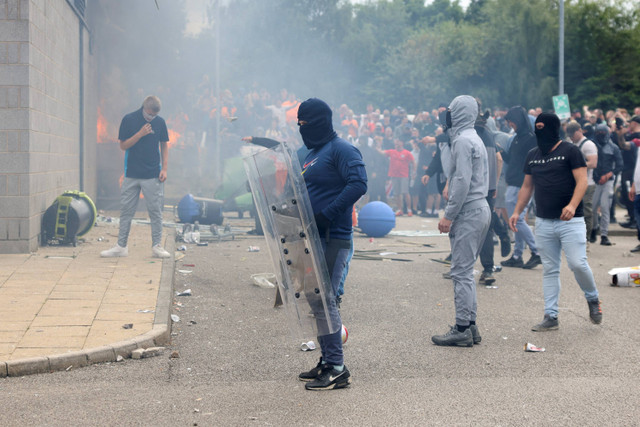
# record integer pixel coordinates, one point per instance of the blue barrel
(376, 219)
(205, 211)
(188, 209)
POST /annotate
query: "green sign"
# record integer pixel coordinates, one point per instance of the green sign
(561, 105)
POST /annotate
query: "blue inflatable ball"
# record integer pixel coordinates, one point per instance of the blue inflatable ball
(376, 219)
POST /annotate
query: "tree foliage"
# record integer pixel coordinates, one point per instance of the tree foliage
(416, 54)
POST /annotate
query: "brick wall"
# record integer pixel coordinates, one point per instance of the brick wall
(39, 115)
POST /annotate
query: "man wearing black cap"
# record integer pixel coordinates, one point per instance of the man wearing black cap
(335, 176)
(557, 172)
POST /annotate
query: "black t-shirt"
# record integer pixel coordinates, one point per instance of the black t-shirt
(553, 179)
(143, 161)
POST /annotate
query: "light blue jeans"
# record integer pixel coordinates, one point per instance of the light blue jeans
(554, 235)
(524, 234)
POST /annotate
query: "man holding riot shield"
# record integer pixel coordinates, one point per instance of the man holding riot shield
(335, 177)
(310, 262)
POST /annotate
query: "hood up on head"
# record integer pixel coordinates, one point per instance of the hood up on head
(319, 129)
(519, 116)
(464, 112)
(601, 134)
(547, 131)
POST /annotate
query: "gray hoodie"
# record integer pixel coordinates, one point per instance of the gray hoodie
(468, 169)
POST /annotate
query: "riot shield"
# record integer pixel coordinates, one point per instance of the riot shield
(283, 205)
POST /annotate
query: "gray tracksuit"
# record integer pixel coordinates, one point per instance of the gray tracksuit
(467, 205)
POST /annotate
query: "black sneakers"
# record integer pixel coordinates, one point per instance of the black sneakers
(330, 378)
(454, 338)
(513, 262)
(533, 262)
(548, 324)
(486, 278)
(636, 249)
(311, 374)
(595, 312)
(604, 241)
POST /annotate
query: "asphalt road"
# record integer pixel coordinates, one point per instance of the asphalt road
(238, 365)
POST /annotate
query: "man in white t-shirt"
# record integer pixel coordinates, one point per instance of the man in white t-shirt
(590, 153)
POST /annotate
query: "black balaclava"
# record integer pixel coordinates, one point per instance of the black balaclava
(445, 119)
(319, 129)
(601, 135)
(547, 131)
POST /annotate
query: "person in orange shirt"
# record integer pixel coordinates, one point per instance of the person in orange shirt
(350, 125)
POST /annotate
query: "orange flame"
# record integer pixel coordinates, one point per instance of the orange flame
(174, 138)
(101, 128)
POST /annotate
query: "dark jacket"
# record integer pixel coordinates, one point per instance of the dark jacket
(609, 156)
(524, 141)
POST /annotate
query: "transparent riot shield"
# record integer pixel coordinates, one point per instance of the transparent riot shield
(283, 205)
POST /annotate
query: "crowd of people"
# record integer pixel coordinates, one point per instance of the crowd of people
(399, 149)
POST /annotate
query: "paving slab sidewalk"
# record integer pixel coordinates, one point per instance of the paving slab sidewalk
(65, 306)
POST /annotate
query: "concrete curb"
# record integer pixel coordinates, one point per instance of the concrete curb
(160, 334)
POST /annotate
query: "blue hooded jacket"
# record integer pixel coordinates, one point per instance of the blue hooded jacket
(333, 170)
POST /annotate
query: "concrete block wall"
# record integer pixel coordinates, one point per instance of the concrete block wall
(39, 115)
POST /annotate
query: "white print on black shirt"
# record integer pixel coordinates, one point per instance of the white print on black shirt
(550, 159)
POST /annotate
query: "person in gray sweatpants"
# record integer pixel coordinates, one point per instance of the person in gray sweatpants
(466, 217)
(143, 135)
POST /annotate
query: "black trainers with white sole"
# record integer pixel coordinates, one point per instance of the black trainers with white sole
(330, 378)
(311, 374)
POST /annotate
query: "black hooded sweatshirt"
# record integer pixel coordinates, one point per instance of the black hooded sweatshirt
(524, 141)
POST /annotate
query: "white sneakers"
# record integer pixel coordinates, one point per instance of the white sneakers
(119, 251)
(160, 252)
(116, 251)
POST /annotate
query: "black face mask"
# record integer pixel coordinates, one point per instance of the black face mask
(445, 119)
(600, 138)
(547, 131)
(318, 129)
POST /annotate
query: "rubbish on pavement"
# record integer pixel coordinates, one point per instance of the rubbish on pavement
(175, 318)
(308, 346)
(254, 249)
(203, 244)
(188, 265)
(127, 326)
(530, 347)
(185, 293)
(143, 353)
(491, 287)
(625, 276)
(185, 271)
(175, 354)
(119, 358)
(264, 280)
(182, 248)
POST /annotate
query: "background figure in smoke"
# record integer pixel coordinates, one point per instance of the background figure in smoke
(466, 216)
(336, 178)
(144, 136)
(495, 166)
(523, 142)
(610, 164)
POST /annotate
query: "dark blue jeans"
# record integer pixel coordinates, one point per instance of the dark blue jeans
(336, 253)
